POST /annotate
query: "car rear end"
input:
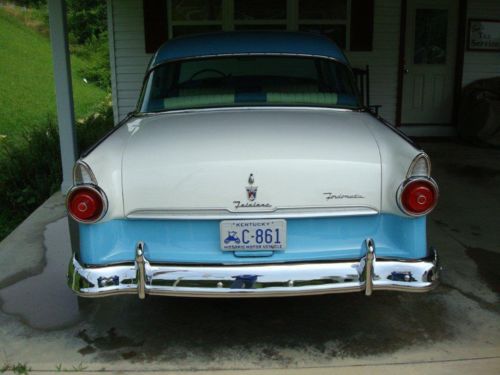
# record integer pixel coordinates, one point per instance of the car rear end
(256, 221)
(251, 173)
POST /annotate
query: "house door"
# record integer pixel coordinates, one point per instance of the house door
(430, 50)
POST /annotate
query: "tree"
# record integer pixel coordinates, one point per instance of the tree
(86, 19)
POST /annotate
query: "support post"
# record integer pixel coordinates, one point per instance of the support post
(64, 89)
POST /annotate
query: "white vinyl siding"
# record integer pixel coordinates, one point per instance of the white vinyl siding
(479, 65)
(130, 60)
(383, 60)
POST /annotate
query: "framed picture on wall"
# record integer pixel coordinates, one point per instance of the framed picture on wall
(484, 35)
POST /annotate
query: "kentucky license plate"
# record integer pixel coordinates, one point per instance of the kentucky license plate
(238, 235)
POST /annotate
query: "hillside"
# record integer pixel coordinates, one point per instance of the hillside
(27, 94)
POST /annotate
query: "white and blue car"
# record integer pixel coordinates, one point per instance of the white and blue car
(250, 169)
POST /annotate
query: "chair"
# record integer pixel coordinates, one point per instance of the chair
(362, 79)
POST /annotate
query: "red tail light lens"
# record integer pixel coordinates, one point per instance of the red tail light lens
(418, 196)
(86, 203)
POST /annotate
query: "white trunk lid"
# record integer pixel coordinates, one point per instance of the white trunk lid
(300, 159)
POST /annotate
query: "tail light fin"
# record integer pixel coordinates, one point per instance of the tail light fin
(418, 194)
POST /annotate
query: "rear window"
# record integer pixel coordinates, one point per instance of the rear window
(249, 81)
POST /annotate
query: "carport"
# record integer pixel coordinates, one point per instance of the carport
(417, 55)
(454, 328)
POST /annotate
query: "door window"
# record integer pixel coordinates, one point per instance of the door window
(431, 29)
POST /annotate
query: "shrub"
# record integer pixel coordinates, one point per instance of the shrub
(94, 127)
(86, 19)
(31, 166)
(87, 25)
(95, 53)
(30, 169)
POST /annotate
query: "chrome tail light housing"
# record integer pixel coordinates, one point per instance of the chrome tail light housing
(86, 203)
(418, 196)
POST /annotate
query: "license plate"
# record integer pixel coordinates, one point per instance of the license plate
(238, 235)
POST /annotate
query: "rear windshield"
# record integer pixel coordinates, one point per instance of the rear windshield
(249, 81)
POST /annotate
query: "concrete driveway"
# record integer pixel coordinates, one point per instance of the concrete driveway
(455, 328)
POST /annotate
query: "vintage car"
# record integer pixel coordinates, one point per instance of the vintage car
(250, 169)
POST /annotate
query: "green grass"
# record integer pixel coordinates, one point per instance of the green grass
(30, 165)
(27, 93)
(29, 142)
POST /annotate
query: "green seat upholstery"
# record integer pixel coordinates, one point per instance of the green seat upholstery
(303, 98)
(195, 98)
(298, 95)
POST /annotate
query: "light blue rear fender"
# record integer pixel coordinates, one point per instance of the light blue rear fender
(197, 241)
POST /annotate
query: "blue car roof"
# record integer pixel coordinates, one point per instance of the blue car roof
(243, 42)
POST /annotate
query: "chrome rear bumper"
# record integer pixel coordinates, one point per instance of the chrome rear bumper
(263, 280)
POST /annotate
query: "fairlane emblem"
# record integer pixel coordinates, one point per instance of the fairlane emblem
(251, 190)
(251, 196)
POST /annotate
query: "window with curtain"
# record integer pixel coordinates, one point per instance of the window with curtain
(328, 17)
(194, 16)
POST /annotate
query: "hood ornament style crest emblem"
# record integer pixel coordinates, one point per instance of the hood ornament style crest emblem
(252, 203)
(251, 190)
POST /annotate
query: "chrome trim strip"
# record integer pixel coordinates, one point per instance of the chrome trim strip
(265, 280)
(279, 213)
(246, 108)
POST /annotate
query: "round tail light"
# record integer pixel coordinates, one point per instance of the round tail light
(86, 203)
(418, 196)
